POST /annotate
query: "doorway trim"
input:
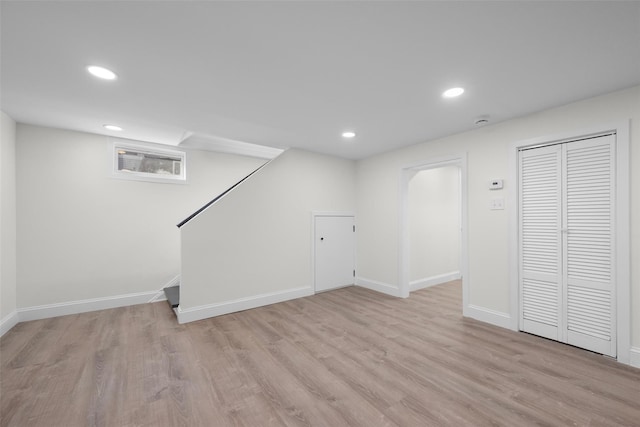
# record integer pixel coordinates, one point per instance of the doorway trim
(406, 173)
(622, 235)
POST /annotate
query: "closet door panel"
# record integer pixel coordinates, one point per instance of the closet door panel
(589, 242)
(540, 241)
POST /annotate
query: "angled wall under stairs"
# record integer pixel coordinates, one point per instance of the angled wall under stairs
(253, 246)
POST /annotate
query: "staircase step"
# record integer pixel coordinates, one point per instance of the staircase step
(173, 295)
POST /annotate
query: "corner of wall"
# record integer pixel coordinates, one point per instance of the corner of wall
(487, 315)
(8, 215)
(8, 322)
(634, 357)
(439, 279)
(381, 287)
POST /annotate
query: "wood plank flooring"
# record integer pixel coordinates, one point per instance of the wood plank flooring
(350, 357)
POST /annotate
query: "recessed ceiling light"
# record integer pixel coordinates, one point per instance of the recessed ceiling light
(112, 127)
(348, 134)
(453, 92)
(102, 72)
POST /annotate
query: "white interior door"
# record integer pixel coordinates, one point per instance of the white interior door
(541, 242)
(567, 230)
(589, 220)
(334, 252)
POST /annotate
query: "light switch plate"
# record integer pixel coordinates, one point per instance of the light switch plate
(496, 204)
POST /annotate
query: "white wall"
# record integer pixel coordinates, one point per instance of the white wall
(434, 225)
(83, 234)
(487, 150)
(7, 222)
(254, 246)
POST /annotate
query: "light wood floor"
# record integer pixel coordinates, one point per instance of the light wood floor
(347, 357)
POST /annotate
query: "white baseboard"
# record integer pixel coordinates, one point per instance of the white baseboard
(374, 285)
(82, 306)
(634, 357)
(8, 322)
(487, 315)
(433, 280)
(160, 295)
(211, 310)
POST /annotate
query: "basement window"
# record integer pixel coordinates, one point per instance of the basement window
(149, 163)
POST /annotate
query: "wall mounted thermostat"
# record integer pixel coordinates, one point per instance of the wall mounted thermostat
(496, 184)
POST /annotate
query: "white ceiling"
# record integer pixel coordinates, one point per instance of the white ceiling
(297, 74)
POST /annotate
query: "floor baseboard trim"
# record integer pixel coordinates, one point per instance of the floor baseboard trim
(487, 315)
(160, 295)
(212, 310)
(433, 280)
(8, 322)
(634, 357)
(374, 285)
(83, 306)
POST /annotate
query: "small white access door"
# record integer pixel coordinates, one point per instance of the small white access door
(334, 251)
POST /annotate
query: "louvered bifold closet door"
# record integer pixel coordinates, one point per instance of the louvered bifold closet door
(589, 241)
(540, 207)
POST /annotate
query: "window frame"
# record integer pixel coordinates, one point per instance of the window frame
(117, 146)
